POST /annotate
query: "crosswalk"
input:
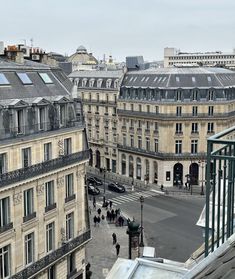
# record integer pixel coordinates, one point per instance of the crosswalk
(133, 196)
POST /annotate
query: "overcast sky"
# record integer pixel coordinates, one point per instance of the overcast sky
(120, 27)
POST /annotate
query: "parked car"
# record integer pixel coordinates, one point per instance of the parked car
(92, 190)
(94, 181)
(116, 187)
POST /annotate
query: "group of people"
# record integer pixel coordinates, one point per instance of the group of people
(117, 245)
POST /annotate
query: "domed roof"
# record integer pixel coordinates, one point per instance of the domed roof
(81, 56)
(81, 49)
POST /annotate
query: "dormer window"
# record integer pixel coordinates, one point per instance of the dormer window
(211, 95)
(45, 77)
(62, 115)
(20, 121)
(116, 83)
(194, 95)
(84, 81)
(108, 83)
(99, 82)
(41, 118)
(178, 95)
(91, 82)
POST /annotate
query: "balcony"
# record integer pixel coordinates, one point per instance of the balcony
(54, 256)
(6, 227)
(50, 207)
(42, 168)
(131, 130)
(17, 132)
(70, 198)
(147, 132)
(29, 217)
(139, 131)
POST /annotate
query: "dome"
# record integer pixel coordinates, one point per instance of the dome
(81, 49)
(82, 57)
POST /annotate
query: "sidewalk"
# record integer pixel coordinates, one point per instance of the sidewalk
(101, 252)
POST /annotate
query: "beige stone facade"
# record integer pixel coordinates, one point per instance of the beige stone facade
(44, 222)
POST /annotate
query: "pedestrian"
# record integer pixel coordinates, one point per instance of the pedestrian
(119, 221)
(94, 203)
(98, 220)
(117, 248)
(162, 188)
(102, 217)
(95, 220)
(116, 213)
(114, 236)
(106, 205)
(110, 204)
(122, 221)
(99, 211)
(108, 215)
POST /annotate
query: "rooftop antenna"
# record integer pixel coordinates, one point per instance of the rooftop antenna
(31, 41)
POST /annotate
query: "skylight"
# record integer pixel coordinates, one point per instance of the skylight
(24, 78)
(3, 80)
(155, 79)
(45, 78)
(209, 79)
(177, 79)
(193, 79)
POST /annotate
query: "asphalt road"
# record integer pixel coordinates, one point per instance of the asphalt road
(169, 222)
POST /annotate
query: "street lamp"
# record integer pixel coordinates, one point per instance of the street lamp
(141, 221)
(201, 163)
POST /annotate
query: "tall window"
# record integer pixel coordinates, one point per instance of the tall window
(107, 98)
(47, 151)
(132, 123)
(178, 95)
(20, 121)
(178, 128)
(49, 193)
(194, 111)
(5, 262)
(5, 216)
(69, 185)
(132, 107)
(51, 272)
(50, 237)
(42, 118)
(178, 146)
(178, 111)
(211, 95)
(106, 110)
(147, 144)
(194, 95)
(148, 125)
(194, 128)
(132, 141)
(155, 145)
(156, 126)
(139, 142)
(67, 146)
(139, 123)
(124, 139)
(194, 144)
(210, 110)
(28, 202)
(3, 163)
(71, 263)
(98, 97)
(157, 109)
(148, 108)
(114, 111)
(70, 226)
(210, 127)
(26, 157)
(29, 248)
(62, 115)
(140, 108)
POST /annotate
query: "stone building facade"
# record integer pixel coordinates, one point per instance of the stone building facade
(99, 91)
(44, 223)
(165, 117)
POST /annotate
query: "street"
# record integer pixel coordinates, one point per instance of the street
(169, 222)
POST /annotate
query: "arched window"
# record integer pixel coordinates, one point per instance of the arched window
(123, 164)
(131, 167)
(84, 81)
(147, 170)
(138, 168)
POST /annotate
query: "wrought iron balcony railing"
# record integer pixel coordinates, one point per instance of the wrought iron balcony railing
(220, 189)
(44, 167)
(54, 256)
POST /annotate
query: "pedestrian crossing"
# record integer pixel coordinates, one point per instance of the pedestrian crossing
(132, 197)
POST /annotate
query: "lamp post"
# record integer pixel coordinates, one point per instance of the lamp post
(201, 163)
(104, 170)
(141, 221)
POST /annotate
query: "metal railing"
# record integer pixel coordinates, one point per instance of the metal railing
(220, 189)
(41, 168)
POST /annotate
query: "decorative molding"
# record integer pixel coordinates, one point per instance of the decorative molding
(17, 198)
(40, 189)
(60, 181)
(61, 147)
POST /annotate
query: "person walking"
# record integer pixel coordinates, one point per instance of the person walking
(117, 248)
(95, 220)
(94, 203)
(98, 220)
(99, 211)
(110, 204)
(114, 236)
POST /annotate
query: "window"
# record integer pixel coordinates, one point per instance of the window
(97, 109)
(69, 185)
(139, 124)
(178, 128)
(124, 106)
(3, 163)
(20, 121)
(5, 262)
(178, 95)
(69, 226)
(67, 146)
(132, 123)
(45, 77)
(210, 127)
(211, 95)
(114, 111)
(147, 144)
(26, 157)
(132, 141)
(5, 216)
(62, 115)
(148, 125)
(24, 78)
(194, 95)
(140, 108)
(50, 237)
(97, 97)
(51, 272)
(194, 110)
(194, 144)
(155, 145)
(157, 109)
(28, 202)
(210, 110)
(47, 151)
(178, 111)
(124, 139)
(3, 80)
(49, 193)
(148, 108)
(42, 118)
(194, 127)
(139, 142)
(178, 146)
(132, 107)
(156, 126)
(71, 263)
(29, 248)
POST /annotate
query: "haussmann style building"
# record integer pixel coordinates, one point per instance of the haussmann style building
(44, 224)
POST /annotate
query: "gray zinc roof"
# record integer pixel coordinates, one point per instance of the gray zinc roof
(180, 78)
(96, 74)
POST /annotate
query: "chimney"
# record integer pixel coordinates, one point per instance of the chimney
(19, 58)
